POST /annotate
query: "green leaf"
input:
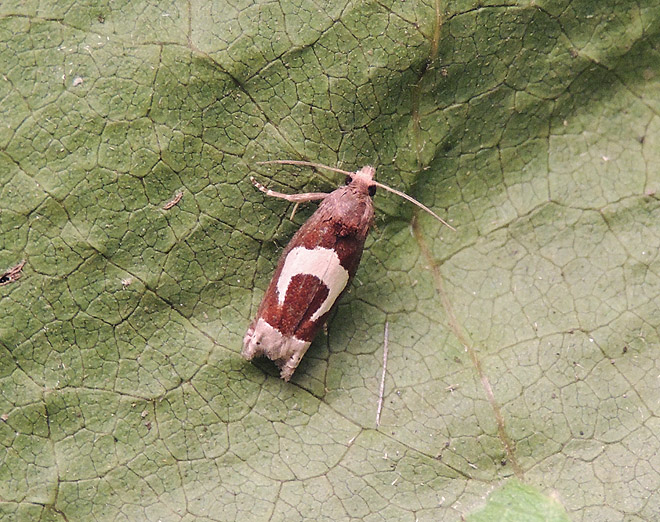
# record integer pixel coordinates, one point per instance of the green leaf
(524, 345)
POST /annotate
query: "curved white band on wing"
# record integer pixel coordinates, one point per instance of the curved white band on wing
(320, 262)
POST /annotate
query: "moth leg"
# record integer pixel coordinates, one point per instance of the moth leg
(293, 198)
(293, 212)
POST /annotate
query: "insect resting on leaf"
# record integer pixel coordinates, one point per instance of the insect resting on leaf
(315, 267)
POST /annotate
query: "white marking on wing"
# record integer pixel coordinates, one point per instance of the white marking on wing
(320, 262)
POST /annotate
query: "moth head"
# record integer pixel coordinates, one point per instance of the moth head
(363, 179)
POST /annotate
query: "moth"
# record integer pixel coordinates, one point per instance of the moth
(315, 268)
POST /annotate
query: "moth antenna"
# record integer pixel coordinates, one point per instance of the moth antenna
(305, 164)
(414, 201)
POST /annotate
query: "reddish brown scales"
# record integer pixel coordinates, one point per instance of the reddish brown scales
(344, 232)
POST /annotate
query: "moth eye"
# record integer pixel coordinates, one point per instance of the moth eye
(348, 180)
(372, 190)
